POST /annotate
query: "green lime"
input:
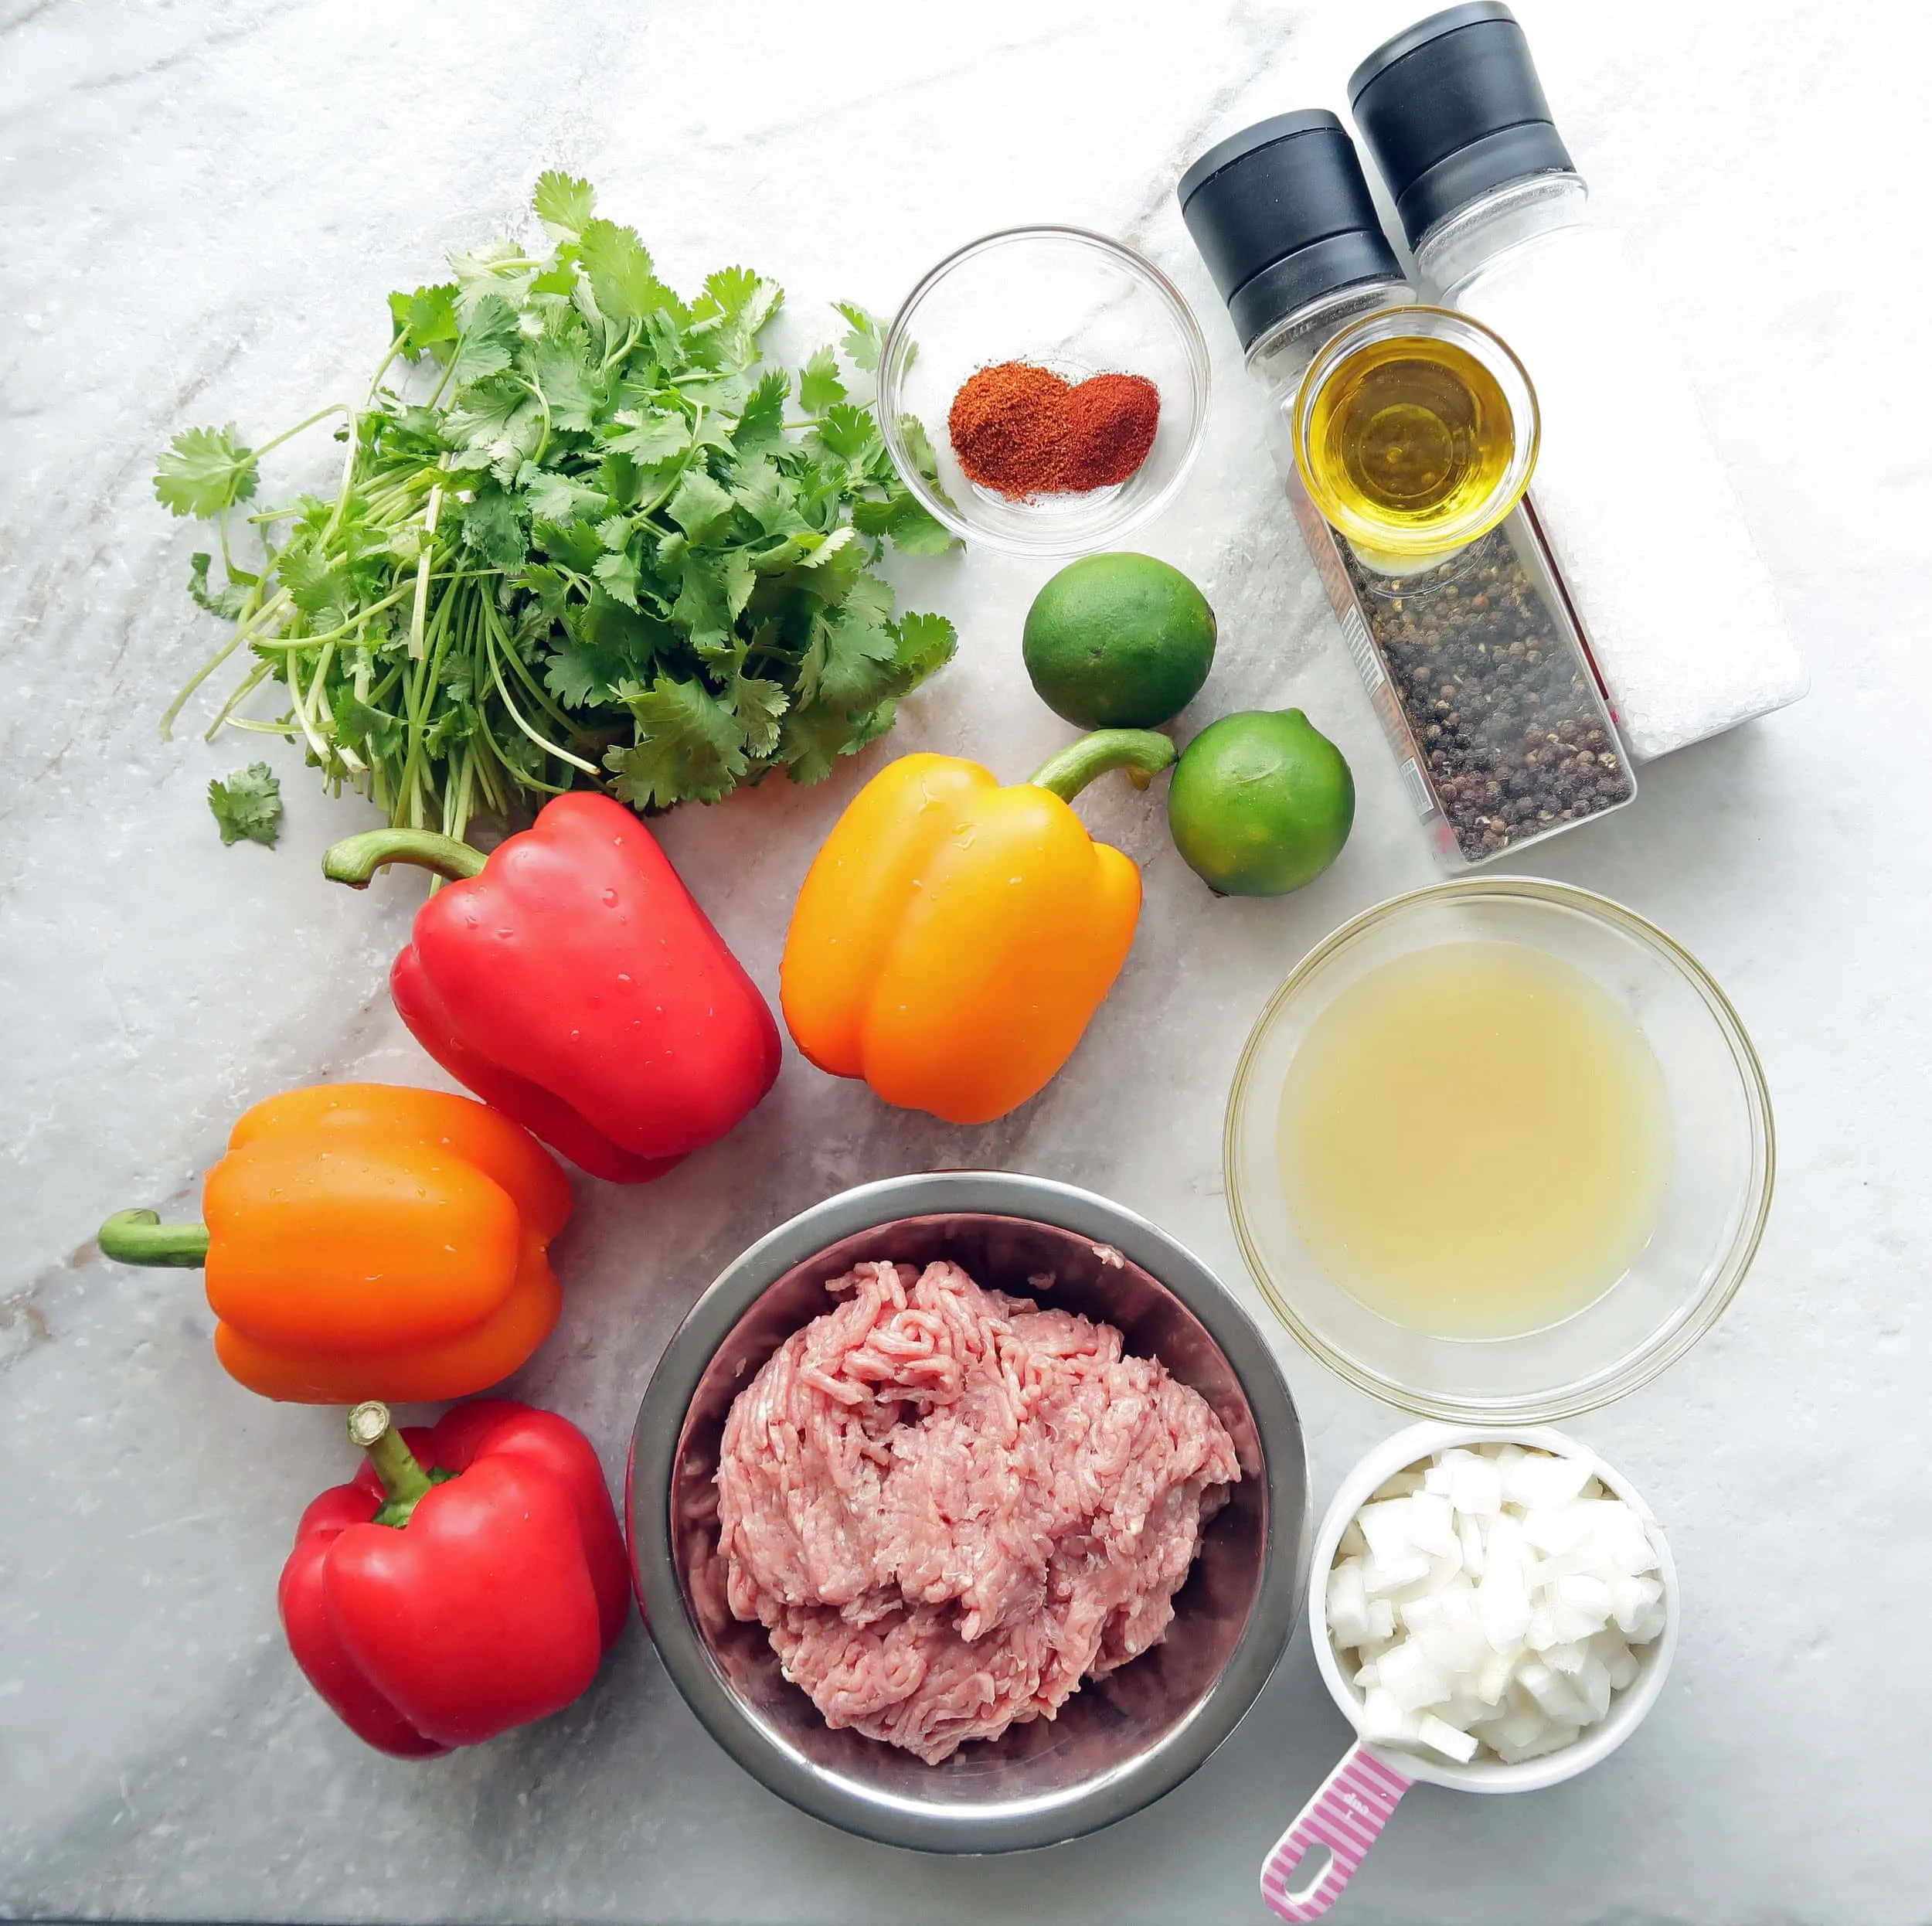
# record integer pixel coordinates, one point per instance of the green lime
(1260, 803)
(1118, 641)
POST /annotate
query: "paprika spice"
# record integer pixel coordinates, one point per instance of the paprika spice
(1024, 431)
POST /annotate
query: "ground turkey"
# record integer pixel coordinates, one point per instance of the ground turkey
(948, 1507)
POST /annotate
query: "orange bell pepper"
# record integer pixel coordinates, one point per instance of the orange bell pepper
(365, 1241)
(953, 938)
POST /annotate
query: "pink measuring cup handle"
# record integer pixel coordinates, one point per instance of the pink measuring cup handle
(1345, 1816)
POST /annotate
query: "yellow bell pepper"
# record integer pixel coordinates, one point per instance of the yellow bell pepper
(954, 937)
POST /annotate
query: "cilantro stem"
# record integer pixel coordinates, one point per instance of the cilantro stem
(263, 615)
(362, 615)
(543, 402)
(456, 795)
(537, 693)
(289, 435)
(622, 353)
(382, 366)
(248, 683)
(516, 715)
(430, 514)
(301, 712)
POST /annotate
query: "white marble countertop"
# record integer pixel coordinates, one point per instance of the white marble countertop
(206, 202)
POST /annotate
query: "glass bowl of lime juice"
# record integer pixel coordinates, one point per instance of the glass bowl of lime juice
(1499, 1151)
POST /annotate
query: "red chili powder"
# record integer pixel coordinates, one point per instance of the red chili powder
(1024, 431)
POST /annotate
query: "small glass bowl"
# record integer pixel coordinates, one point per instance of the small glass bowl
(1374, 537)
(1718, 1197)
(1068, 300)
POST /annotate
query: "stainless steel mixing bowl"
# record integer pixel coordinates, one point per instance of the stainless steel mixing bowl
(1117, 1745)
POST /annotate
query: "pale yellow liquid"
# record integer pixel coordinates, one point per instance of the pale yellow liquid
(1474, 1140)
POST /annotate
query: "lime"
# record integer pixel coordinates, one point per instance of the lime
(1118, 641)
(1260, 803)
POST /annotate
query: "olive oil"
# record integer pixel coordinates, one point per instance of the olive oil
(1411, 434)
(1474, 1140)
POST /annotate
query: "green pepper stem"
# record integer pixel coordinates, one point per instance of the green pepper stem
(1142, 753)
(139, 1237)
(355, 858)
(404, 1480)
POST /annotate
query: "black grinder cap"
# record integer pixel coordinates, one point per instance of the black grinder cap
(1450, 108)
(1282, 216)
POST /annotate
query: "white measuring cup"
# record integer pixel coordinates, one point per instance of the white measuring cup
(1314, 1858)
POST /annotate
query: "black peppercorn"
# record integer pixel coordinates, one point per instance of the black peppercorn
(1506, 722)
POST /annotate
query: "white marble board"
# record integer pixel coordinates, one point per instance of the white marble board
(205, 204)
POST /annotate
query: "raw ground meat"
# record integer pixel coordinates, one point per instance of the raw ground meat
(948, 1507)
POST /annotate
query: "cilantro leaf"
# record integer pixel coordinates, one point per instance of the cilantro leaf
(761, 422)
(702, 610)
(563, 203)
(915, 532)
(227, 602)
(618, 573)
(554, 496)
(737, 576)
(569, 385)
(621, 480)
(834, 566)
(577, 677)
(758, 702)
(488, 339)
(627, 287)
(688, 745)
(627, 641)
(426, 321)
(248, 805)
(742, 296)
(495, 526)
(575, 544)
(863, 344)
(309, 575)
(657, 436)
(925, 643)
(700, 505)
(847, 431)
(811, 740)
(855, 671)
(819, 383)
(920, 444)
(204, 470)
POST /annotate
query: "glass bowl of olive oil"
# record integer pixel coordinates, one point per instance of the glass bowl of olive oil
(1499, 1151)
(1416, 432)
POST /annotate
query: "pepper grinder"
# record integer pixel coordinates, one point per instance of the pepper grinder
(1676, 603)
(1495, 750)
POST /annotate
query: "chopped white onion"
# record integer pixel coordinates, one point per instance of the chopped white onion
(1494, 1601)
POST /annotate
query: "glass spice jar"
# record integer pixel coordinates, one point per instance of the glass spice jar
(1474, 665)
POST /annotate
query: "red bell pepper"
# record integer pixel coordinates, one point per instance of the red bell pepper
(570, 980)
(436, 1607)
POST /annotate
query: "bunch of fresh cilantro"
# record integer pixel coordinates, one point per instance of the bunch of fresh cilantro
(602, 545)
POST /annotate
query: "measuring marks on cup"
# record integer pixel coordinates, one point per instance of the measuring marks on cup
(1331, 1835)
